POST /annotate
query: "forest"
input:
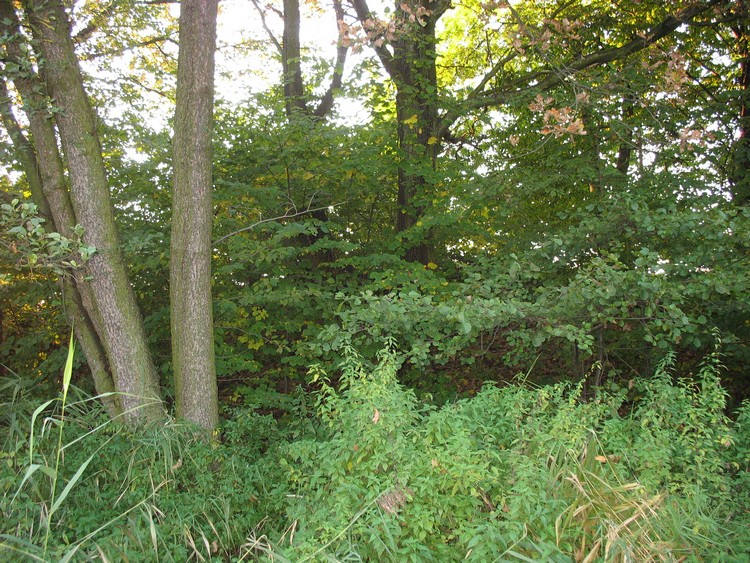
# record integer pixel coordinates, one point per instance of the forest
(347, 280)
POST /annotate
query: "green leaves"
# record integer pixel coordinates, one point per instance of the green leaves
(536, 472)
(27, 244)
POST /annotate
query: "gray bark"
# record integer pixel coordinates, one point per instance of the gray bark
(45, 174)
(192, 218)
(117, 316)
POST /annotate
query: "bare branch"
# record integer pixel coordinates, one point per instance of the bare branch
(271, 36)
(96, 22)
(286, 215)
(492, 73)
(157, 41)
(326, 102)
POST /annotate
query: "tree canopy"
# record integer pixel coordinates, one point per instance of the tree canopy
(482, 182)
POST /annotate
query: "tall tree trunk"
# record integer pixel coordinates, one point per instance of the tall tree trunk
(411, 66)
(117, 317)
(44, 172)
(192, 218)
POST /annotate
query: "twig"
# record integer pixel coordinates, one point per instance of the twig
(271, 36)
(270, 219)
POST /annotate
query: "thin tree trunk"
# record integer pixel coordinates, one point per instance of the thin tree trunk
(625, 153)
(192, 218)
(23, 148)
(296, 105)
(74, 309)
(291, 60)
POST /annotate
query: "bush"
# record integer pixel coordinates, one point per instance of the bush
(538, 474)
(653, 471)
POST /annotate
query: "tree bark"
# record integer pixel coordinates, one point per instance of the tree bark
(192, 218)
(741, 151)
(117, 317)
(294, 89)
(46, 177)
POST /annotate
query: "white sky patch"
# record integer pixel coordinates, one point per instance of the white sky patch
(243, 67)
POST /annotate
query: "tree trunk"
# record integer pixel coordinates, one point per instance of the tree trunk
(625, 153)
(192, 218)
(296, 105)
(44, 172)
(294, 89)
(116, 318)
(411, 66)
(23, 148)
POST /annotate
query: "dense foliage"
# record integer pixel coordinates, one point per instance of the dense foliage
(510, 238)
(652, 471)
(597, 219)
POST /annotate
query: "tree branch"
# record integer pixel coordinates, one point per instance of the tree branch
(96, 22)
(271, 36)
(286, 215)
(386, 58)
(115, 52)
(326, 102)
(548, 78)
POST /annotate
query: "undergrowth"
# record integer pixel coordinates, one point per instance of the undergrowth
(652, 471)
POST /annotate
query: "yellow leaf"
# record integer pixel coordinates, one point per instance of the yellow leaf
(432, 265)
(432, 140)
(376, 417)
(411, 121)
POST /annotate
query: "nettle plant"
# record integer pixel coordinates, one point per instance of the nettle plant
(677, 435)
(378, 481)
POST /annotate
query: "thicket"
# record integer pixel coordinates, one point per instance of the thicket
(650, 471)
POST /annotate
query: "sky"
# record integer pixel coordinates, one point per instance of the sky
(239, 22)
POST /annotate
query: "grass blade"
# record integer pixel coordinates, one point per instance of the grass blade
(71, 483)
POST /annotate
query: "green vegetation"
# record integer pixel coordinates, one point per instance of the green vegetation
(472, 285)
(653, 471)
